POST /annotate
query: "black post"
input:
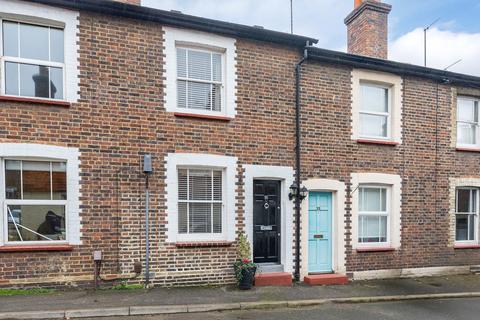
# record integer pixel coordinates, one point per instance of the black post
(298, 71)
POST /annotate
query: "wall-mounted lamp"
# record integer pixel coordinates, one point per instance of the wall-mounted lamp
(297, 192)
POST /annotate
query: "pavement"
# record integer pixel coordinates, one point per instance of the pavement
(83, 304)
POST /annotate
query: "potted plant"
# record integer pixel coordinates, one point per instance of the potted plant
(244, 267)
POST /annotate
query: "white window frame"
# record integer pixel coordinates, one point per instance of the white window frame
(188, 80)
(477, 131)
(394, 203)
(20, 202)
(37, 152)
(394, 84)
(474, 213)
(55, 17)
(386, 213)
(195, 40)
(44, 63)
(228, 165)
(222, 202)
(374, 113)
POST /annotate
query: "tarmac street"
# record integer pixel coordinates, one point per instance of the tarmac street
(449, 309)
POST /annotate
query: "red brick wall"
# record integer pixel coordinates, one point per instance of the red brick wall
(119, 117)
(425, 161)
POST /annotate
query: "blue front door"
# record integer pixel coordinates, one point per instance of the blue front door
(320, 232)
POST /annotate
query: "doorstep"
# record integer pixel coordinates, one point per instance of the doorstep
(273, 279)
(325, 279)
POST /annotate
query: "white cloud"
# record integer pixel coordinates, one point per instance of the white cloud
(443, 48)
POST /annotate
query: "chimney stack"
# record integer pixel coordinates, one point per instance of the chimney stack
(136, 2)
(367, 27)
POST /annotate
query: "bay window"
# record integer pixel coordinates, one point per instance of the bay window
(373, 215)
(466, 214)
(32, 60)
(35, 200)
(467, 123)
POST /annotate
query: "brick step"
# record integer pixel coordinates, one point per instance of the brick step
(273, 279)
(326, 279)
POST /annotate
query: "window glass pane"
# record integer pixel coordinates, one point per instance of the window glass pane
(11, 78)
(36, 222)
(466, 110)
(374, 98)
(217, 67)
(372, 229)
(34, 81)
(182, 217)
(462, 228)
(200, 217)
(471, 227)
(373, 125)
(199, 95)
(216, 97)
(59, 180)
(217, 185)
(36, 180)
(56, 84)
(182, 94)
(466, 133)
(34, 42)
(182, 185)
(383, 229)
(199, 65)
(181, 62)
(372, 199)
(56, 45)
(200, 185)
(10, 39)
(217, 218)
(13, 189)
(463, 200)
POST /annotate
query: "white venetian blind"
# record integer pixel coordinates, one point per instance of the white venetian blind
(199, 80)
(199, 201)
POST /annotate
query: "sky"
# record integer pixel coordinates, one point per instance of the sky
(455, 36)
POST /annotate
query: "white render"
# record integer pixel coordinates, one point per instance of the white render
(285, 176)
(55, 17)
(29, 151)
(410, 272)
(337, 188)
(229, 167)
(395, 84)
(174, 37)
(395, 183)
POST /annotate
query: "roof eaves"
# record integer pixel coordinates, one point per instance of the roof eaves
(180, 20)
(399, 68)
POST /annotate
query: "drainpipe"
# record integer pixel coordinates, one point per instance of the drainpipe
(298, 71)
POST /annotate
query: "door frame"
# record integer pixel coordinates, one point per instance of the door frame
(285, 175)
(337, 188)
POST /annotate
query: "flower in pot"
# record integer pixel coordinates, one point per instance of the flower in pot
(244, 267)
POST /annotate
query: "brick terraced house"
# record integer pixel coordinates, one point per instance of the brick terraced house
(241, 123)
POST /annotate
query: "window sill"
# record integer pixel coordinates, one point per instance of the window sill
(31, 248)
(36, 101)
(205, 244)
(466, 149)
(202, 116)
(466, 246)
(379, 142)
(374, 249)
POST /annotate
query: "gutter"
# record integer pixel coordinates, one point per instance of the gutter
(298, 171)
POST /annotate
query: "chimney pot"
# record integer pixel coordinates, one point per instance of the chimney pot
(358, 3)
